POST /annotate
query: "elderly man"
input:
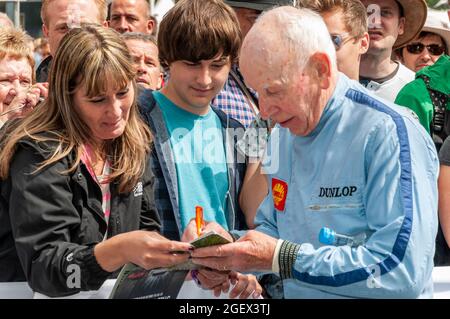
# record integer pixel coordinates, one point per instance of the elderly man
(59, 16)
(131, 16)
(343, 159)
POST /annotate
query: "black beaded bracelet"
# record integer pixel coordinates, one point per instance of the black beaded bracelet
(287, 257)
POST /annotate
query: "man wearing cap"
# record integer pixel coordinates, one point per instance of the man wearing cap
(236, 99)
(391, 25)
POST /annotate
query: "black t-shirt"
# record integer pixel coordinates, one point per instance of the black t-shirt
(442, 255)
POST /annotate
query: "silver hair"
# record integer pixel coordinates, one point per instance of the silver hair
(300, 33)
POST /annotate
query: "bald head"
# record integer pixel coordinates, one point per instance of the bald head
(289, 59)
(5, 21)
(285, 38)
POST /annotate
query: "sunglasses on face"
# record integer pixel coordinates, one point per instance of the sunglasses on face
(417, 48)
(340, 39)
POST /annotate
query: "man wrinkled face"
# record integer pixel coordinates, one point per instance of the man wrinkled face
(15, 75)
(287, 95)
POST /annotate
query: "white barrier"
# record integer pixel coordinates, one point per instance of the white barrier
(21, 290)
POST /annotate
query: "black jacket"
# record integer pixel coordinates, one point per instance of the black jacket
(50, 222)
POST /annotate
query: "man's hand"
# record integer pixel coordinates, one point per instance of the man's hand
(218, 281)
(190, 233)
(252, 252)
(244, 285)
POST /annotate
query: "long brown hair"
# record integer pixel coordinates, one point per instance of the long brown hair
(93, 57)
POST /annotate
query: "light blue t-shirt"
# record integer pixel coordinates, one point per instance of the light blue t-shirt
(199, 154)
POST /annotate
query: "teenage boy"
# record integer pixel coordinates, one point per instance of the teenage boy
(195, 160)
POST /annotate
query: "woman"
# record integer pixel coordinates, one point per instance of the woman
(428, 46)
(75, 184)
(428, 95)
(17, 94)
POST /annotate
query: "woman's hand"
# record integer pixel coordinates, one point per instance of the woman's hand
(146, 249)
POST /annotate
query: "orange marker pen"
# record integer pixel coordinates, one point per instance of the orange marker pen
(199, 219)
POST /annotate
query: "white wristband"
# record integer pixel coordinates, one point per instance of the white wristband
(276, 254)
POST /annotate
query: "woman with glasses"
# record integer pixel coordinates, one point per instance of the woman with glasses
(429, 97)
(423, 51)
(432, 42)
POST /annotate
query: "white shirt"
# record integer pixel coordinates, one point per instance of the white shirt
(388, 90)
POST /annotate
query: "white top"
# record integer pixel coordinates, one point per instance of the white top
(389, 90)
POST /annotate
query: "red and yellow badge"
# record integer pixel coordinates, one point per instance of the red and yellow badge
(279, 194)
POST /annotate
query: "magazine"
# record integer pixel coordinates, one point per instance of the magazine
(135, 282)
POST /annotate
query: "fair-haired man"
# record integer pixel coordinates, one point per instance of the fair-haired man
(344, 159)
(131, 16)
(392, 23)
(59, 16)
(346, 21)
(144, 52)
